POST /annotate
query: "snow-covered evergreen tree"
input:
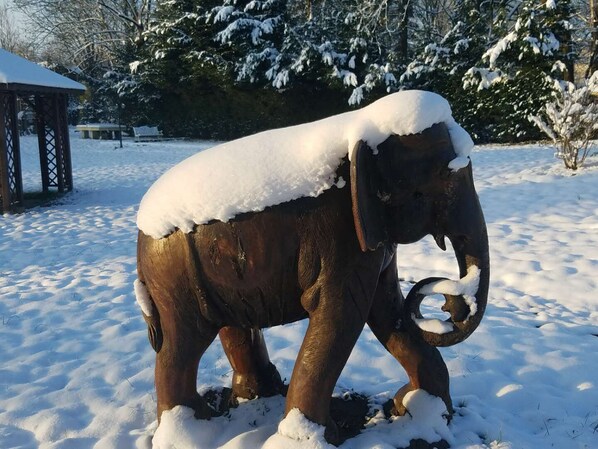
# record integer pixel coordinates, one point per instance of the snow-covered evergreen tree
(517, 73)
(441, 65)
(180, 45)
(178, 60)
(281, 44)
(253, 30)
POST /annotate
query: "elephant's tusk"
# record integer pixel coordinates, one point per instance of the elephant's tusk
(439, 238)
(143, 298)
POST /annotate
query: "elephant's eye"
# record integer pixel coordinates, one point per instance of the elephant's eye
(384, 197)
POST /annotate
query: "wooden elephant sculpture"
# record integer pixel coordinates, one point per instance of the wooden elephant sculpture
(330, 258)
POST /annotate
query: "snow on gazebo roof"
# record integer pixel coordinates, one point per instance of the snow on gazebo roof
(26, 75)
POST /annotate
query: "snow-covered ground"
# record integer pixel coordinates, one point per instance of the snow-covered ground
(76, 370)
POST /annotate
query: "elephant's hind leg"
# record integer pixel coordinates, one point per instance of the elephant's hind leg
(185, 341)
(254, 375)
(423, 363)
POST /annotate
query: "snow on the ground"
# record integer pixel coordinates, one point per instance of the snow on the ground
(76, 368)
(280, 165)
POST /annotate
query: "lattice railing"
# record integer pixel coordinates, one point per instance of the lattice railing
(52, 133)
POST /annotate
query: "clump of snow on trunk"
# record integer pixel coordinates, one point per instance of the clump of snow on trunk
(465, 287)
(433, 325)
(281, 165)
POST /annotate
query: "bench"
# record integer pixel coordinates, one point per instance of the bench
(99, 131)
(146, 133)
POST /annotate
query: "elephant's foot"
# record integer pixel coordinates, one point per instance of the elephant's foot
(264, 383)
(423, 363)
(253, 373)
(196, 402)
(202, 409)
(332, 433)
(349, 412)
(396, 407)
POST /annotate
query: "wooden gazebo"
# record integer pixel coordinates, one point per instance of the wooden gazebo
(46, 92)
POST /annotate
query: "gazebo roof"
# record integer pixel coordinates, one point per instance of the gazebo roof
(18, 73)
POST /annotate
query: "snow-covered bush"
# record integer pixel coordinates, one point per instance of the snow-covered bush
(571, 120)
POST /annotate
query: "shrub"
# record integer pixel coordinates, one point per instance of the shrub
(571, 120)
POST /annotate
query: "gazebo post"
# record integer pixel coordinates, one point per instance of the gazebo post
(40, 126)
(58, 142)
(11, 183)
(16, 141)
(61, 136)
(4, 182)
(66, 153)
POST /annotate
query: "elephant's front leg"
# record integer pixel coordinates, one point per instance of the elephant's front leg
(334, 327)
(423, 363)
(253, 375)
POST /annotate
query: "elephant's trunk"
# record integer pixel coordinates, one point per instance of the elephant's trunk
(466, 299)
(471, 251)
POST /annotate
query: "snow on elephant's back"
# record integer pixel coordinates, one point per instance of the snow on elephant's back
(280, 165)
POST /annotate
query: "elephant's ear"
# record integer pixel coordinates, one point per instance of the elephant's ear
(368, 213)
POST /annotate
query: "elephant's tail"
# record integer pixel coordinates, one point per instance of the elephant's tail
(150, 314)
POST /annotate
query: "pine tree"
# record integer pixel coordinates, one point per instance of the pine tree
(516, 77)
(180, 45)
(179, 63)
(441, 65)
(330, 44)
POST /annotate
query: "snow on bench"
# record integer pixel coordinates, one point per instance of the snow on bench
(280, 165)
(146, 133)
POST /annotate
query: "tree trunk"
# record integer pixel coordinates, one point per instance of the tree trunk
(309, 10)
(566, 40)
(593, 63)
(406, 10)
